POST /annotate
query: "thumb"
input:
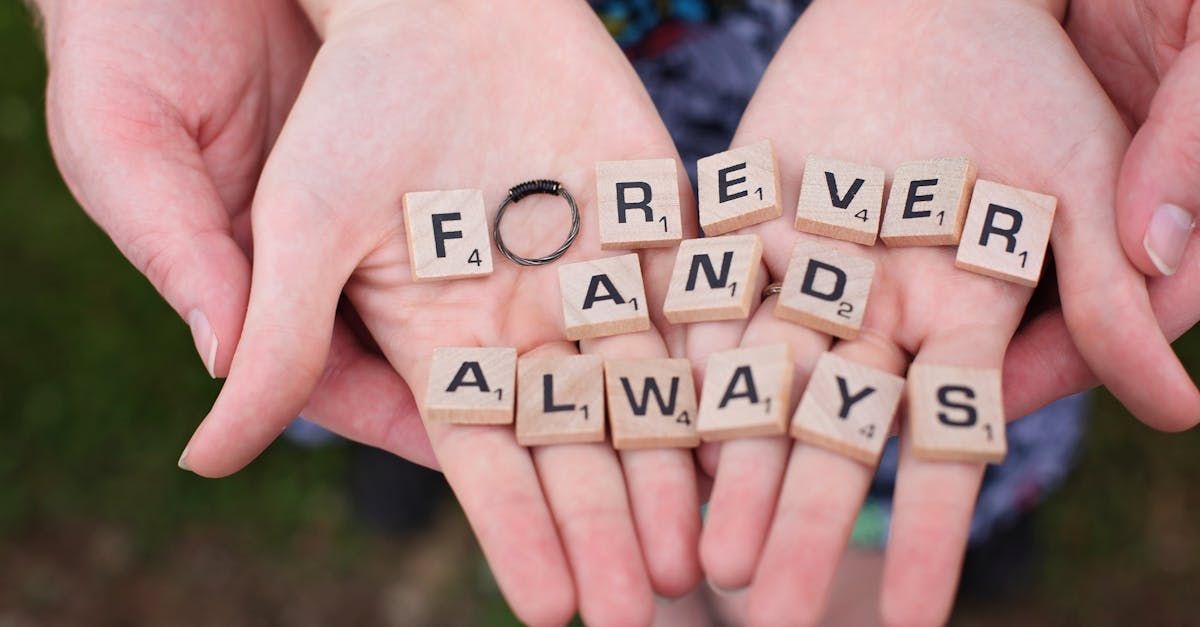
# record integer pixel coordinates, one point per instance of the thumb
(160, 207)
(1158, 196)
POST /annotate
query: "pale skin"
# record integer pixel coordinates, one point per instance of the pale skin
(781, 512)
(325, 215)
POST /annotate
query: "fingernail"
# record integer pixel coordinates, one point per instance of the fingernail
(205, 339)
(1167, 237)
(183, 459)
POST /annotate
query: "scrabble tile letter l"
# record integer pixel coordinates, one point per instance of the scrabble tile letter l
(1007, 232)
(738, 188)
(447, 235)
(638, 203)
(472, 386)
(603, 297)
(560, 399)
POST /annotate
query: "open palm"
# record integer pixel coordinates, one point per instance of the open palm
(447, 97)
(998, 82)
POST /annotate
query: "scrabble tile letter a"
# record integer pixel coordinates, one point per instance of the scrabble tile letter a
(603, 297)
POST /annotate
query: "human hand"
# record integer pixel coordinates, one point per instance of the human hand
(448, 96)
(997, 81)
(160, 115)
(1145, 55)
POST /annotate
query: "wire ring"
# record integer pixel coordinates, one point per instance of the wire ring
(772, 290)
(518, 192)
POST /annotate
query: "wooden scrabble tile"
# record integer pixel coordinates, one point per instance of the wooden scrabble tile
(746, 393)
(1007, 232)
(848, 408)
(738, 188)
(841, 200)
(472, 386)
(651, 403)
(603, 297)
(956, 414)
(447, 235)
(714, 279)
(560, 400)
(826, 289)
(928, 202)
(638, 203)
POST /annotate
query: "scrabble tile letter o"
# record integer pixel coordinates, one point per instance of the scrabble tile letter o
(447, 235)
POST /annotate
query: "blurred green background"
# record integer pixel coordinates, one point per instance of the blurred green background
(102, 388)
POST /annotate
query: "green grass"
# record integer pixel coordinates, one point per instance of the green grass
(100, 389)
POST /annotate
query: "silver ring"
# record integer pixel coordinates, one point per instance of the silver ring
(515, 194)
(772, 290)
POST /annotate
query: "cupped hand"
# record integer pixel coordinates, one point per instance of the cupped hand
(160, 115)
(1146, 55)
(881, 84)
(448, 96)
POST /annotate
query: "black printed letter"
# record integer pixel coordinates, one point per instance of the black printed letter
(440, 236)
(914, 198)
(623, 204)
(724, 183)
(610, 291)
(477, 379)
(710, 273)
(1009, 234)
(731, 392)
(810, 278)
(849, 400)
(944, 393)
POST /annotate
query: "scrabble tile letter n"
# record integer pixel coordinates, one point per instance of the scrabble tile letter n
(560, 400)
(841, 200)
(826, 289)
(956, 414)
(638, 203)
(928, 203)
(603, 297)
(747, 393)
(738, 188)
(715, 278)
(651, 403)
(447, 235)
(472, 386)
(1006, 234)
(848, 408)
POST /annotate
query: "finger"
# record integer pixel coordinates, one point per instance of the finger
(818, 503)
(934, 500)
(750, 470)
(587, 495)
(1043, 365)
(1157, 197)
(361, 397)
(662, 489)
(498, 486)
(297, 280)
(155, 199)
(1107, 308)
